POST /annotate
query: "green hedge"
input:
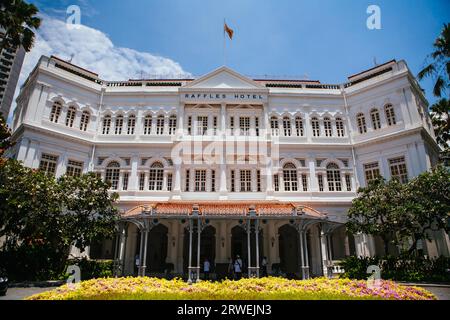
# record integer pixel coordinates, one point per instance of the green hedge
(401, 268)
(92, 269)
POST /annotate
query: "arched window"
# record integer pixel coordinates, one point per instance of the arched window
(334, 177)
(160, 125)
(375, 116)
(299, 126)
(327, 127)
(119, 124)
(131, 124)
(390, 115)
(274, 126)
(172, 124)
(290, 177)
(148, 124)
(70, 117)
(56, 111)
(84, 121)
(340, 127)
(315, 126)
(287, 127)
(156, 176)
(106, 124)
(361, 120)
(112, 174)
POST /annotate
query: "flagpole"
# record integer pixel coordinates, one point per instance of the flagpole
(224, 44)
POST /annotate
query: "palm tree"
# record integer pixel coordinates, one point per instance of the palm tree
(18, 22)
(440, 117)
(439, 68)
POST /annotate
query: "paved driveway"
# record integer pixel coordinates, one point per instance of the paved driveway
(21, 293)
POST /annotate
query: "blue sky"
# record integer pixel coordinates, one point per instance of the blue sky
(325, 40)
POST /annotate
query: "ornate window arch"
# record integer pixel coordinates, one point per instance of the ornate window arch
(84, 121)
(119, 124)
(274, 126)
(287, 129)
(70, 117)
(172, 124)
(160, 124)
(56, 111)
(375, 116)
(112, 174)
(315, 126)
(148, 124)
(361, 122)
(156, 177)
(327, 127)
(390, 114)
(131, 124)
(106, 124)
(290, 177)
(340, 127)
(299, 126)
(334, 177)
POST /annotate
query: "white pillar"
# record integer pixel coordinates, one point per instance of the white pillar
(324, 252)
(134, 179)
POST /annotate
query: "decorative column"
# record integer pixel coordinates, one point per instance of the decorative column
(199, 235)
(191, 227)
(122, 247)
(177, 185)
(144, 266)
(257, 246)
(141, 249)
(312, 175)
(134, 179)
(249, 254)
(324, 252)
(180, 121)
(223, 119)
(305, 241)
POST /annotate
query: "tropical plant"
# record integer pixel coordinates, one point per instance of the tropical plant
(439, 66)
(440, 117)
(5, 136)
(42, 218)
(375, 210)
(19, 22)
(399, 212)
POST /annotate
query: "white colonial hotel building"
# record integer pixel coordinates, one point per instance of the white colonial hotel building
(288, 157)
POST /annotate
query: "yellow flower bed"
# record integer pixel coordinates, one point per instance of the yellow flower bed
(245, 289)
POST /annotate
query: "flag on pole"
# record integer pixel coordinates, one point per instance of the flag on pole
(228, 30)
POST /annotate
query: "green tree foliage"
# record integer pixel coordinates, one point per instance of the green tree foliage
(375, 210)
(5, 135)
(42, 218)
(440, 117)
(439, 67)
(397, 212)
(19, 21)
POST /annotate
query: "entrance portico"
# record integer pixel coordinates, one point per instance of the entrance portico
(177, 238)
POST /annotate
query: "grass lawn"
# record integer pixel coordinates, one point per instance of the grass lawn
(144, 288)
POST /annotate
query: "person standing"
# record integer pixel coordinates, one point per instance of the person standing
(230, 268)
(206, 268)
(237, 268)
(264, 267)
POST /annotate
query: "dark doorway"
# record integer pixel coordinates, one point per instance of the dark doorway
(207, 247)
(157, 249)
(239, 245)
(289, 249)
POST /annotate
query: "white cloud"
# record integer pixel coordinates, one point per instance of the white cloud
(94, 50)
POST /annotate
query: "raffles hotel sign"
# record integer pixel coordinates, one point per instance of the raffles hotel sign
(224, 96)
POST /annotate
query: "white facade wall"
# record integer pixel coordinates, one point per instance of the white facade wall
(410, 137)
